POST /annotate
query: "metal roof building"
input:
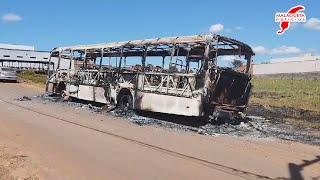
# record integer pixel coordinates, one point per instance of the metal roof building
(14, 46)
(26, 57)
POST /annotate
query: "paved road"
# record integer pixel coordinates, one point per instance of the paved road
(62, 142)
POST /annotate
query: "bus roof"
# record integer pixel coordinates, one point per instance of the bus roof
(199, 39)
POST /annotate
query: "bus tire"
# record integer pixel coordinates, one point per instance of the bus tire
(125, 102)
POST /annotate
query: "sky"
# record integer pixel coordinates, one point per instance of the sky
(49, 24)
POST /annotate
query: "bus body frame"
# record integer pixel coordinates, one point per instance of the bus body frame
(204, 90)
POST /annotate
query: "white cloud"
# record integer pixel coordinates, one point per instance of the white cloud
(285, 50)
(219, 27)
(228, 58)
(313, 23)
(11, 17)
(294, 25)
(228, 29)
(216, 28)
(259, 49)
(279, 51)
(311, 50)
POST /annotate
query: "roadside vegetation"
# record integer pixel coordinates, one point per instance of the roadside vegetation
(295, 101)
(31, 77)
(302, 94)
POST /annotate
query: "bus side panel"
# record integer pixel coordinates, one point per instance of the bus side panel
(50, 87)
(168, 104)
(85, 92)
(100, 95)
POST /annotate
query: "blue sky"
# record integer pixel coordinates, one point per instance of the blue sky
(49, 24)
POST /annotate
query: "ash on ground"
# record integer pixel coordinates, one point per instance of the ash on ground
(251, 126)
(24, 98)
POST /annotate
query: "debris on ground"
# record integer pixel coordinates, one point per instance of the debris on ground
(24, 98)
(250, 126)
(279, 113)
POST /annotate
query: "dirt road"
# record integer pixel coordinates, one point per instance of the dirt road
(40, 140)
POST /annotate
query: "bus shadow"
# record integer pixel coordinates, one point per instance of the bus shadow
(177, 119)
(191, 121)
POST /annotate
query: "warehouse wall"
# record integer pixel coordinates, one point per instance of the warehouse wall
(26, 55)
(287, 67)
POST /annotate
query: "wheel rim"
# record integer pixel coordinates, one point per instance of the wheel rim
(125, 103)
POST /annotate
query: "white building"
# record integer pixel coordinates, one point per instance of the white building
(301, 64)
(26, 56)
(14, 46)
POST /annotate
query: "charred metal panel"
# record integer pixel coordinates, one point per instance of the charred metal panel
(168, 104)
(100, 95)
(85, 93)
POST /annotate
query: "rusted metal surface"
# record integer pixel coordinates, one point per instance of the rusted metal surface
(178, 87)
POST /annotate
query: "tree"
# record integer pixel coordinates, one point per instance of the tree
(236, 63)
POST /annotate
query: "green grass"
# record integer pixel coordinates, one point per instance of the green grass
(299, 94)
(31, 76)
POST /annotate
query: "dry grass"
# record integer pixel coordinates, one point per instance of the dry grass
(299, 94)
(31, 76)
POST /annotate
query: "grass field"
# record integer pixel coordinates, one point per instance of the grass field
(300, 94)
(31, 76)
(296, 102)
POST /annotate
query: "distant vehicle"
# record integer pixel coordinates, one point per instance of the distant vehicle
(8, 74)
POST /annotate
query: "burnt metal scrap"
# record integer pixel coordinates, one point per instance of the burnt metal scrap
(188, 82)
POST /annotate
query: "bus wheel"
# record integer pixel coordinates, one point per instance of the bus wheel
(125, 103)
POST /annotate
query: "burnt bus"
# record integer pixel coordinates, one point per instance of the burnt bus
(201, 75)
